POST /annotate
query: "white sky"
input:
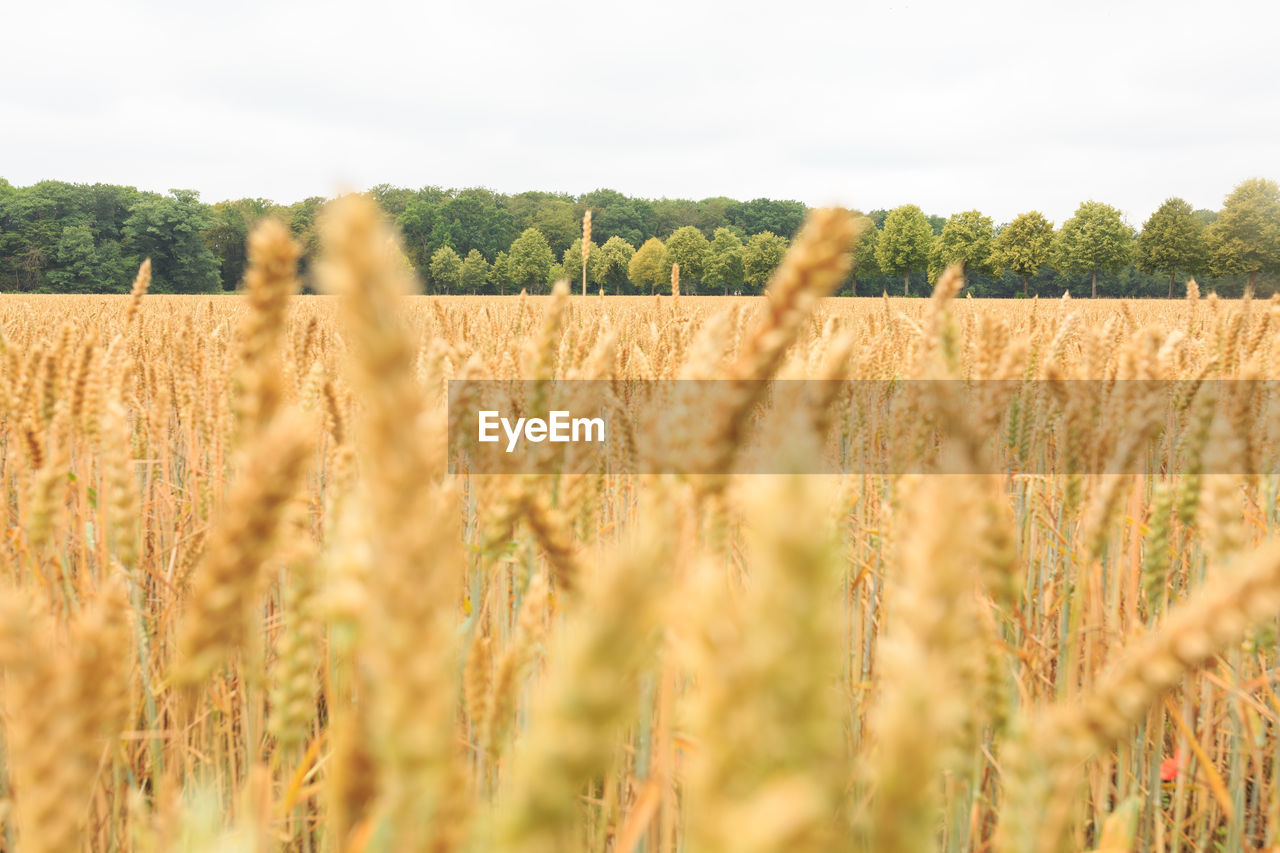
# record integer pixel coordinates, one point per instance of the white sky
(1003, 106)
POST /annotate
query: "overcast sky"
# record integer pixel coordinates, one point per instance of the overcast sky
(1003, 106)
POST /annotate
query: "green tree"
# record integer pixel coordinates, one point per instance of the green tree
(475, 271)
(763, 214)
(33, 220)
(500, 274)
(615, 215)
(1024, 246)
(711, 214)
(1206, 216)
(32, 261)
(611, 264)
(477, 218)
(167, 229)
(1095, 240)
(529, 260)
(446, 269)
(724, 261)
(863, 261)
(228, 233)
(688, 247)
(392, 200)
(904, 243)
(555, 272)
(79, 267)
(760, 257)
(1172, 240)
(649, 265)
(571, 262)
(424, 227)
(672, 214)
(555, 215)
(966, 239)
(302, 217)
(1245, 238)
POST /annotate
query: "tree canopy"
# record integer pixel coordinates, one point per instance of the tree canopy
(475, 272)
(1172, 241)
(167, 229)
(1023, 246)
(446, 269)
(724, 261)
(863, 262)
(967, 239)
(760, 257)
(904, 243)
(529, 260)
(571, 262)
(500, 274)
(1093, 240)
(688, 247)
(611, 263)
(1245, 237)
(648, 265)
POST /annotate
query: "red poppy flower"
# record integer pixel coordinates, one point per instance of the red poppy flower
(1170, 766)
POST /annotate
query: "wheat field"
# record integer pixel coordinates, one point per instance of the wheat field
(247, 607)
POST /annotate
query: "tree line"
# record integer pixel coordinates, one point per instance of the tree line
(58, 237)
(1236, 248)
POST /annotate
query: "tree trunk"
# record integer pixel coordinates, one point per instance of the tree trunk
(1095, 282)
(1253, 280)
(1025, 291)
(1170, 284)
(906, 283)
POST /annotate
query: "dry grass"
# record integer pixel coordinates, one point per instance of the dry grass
(245, 607)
